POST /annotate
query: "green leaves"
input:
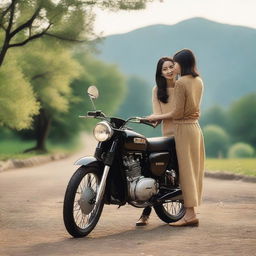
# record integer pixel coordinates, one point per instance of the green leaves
(242, 122)
(50, 71)
(18, 103)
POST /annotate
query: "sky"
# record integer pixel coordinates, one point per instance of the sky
(234, 12)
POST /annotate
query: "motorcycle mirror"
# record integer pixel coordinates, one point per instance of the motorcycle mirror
(93, 92)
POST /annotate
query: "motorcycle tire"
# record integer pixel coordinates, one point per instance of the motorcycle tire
(73, 208)
(168, 216)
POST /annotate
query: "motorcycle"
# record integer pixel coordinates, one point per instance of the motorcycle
(126, 167)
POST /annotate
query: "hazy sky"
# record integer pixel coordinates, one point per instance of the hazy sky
(236, 12)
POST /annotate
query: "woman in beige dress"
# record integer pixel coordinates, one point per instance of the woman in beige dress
(189, 140)
(162, 95)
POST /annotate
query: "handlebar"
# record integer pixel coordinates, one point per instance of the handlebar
(99, 114)
(94, 114)
(142, 120)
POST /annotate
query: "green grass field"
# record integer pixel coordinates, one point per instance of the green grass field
(245, 166)
(12, 149)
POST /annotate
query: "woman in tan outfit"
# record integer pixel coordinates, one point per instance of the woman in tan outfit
(162, 95)
(189, 140)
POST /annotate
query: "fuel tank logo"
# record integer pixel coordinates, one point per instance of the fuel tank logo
(159, 163)
(139, 141)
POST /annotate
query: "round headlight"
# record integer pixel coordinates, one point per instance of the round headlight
(102, 131)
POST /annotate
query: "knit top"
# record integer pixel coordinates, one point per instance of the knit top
(187, 97)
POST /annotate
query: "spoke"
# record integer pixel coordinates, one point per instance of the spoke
(173, 207)
(82, 220)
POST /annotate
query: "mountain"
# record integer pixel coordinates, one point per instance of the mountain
(226, 55)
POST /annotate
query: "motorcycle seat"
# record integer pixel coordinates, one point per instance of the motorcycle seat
(159, 144)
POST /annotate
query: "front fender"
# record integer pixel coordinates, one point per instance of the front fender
(86, 160)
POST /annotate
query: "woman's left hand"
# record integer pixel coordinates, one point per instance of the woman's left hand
(153, 118)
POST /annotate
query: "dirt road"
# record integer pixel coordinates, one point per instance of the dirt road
(31, 220)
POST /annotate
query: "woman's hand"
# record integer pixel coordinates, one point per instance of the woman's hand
(153, 118)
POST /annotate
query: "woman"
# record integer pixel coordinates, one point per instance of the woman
(188, 135)
(162, 95)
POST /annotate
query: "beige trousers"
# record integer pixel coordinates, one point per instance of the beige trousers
(191, 154)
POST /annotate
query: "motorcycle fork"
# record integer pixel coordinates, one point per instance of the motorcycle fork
(108, 162)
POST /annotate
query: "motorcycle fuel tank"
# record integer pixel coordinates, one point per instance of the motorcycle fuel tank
(134, 141)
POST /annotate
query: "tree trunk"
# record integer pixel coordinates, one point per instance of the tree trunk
(4, 51)
(42, 128)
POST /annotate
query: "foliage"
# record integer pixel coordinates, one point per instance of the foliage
(138, 98)
(240, 150)
(17, 100)
(245, 166)
(242, 122)
(50, 71)
(137, 102)
(24, 21)
(215, 115)
(216, 141)
(111, 87)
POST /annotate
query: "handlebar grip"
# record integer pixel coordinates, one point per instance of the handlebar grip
(91, 113)
(145, 121)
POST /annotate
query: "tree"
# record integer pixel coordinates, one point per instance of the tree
(216, 141)
(215, 115)
(137, 102)
(110, 83)
(240, 150)
(18, 102)
(242, 122)
(24, 21)
(50, 72)
(63, 121)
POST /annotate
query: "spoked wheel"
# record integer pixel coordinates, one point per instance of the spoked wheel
(80, 212)
(170, 211)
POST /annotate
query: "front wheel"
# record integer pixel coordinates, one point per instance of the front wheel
(170, 211)
(80, 212)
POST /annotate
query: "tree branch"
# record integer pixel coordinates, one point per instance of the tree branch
(12, 8)
(2, 26)
(41, 75)
(26, 24)
(5, 12)
(30, 38)
(65, 38)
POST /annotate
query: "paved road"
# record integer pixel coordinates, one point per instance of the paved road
(31, 220)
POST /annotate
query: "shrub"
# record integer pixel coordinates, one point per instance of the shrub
(216, 141)
(240, 150)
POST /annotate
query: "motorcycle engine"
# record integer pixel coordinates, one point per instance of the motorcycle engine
(140, 188)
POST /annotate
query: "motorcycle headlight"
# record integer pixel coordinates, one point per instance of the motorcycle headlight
(102, 131)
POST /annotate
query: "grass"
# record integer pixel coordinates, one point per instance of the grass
(13, 149)
(244, 166)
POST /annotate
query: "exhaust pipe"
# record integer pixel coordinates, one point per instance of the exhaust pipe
(175, 194)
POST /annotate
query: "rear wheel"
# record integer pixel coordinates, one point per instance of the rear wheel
(170, 211)
(80, 212)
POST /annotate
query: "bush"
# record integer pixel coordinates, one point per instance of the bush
(216, 141)
(240, 150)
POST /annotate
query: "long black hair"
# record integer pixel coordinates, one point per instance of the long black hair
(187, 62)
(161, 82)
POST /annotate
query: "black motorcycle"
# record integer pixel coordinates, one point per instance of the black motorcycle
(128, 168)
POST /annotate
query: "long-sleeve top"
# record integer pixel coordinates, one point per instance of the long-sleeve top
(162, 108)
(187, 97)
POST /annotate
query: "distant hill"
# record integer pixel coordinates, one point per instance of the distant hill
(226, 55)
